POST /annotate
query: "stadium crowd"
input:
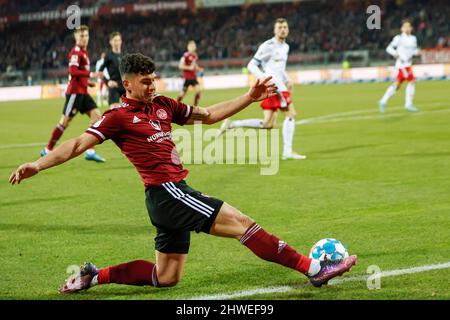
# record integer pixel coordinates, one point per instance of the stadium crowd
(232, 32)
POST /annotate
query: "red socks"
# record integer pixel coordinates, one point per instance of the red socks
(56, 134)
(270, 248)
(197, 99)
(137, 273)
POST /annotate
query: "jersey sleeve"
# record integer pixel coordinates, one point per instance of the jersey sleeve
(108, 127)
(392, 47)
(74, 66)
(263, 53)
(180, 112)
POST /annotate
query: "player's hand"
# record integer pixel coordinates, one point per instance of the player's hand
(112, 84)
(25, 171)
(262, 89)
(289, 86)
(98, 74)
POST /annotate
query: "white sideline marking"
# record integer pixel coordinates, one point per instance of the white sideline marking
(343, 116)
(334, 117)
(368, 117)
(26, 145)
(281, 289)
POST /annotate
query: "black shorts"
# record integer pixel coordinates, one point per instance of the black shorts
(114, 94)
(189, 82)
(78, 103)
(175, 209)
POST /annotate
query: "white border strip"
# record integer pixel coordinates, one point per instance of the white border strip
(282, 289)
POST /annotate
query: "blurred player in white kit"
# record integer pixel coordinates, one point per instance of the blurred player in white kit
(403, 48)
(270, 60)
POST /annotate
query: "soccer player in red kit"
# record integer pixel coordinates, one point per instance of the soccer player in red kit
(189, 66)
(77, 97)
(141, 128)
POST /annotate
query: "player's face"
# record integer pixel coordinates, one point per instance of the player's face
(140, 86)
(281, 30)
(192, 47)
(406, 28)
(82, 39)
(116, 42)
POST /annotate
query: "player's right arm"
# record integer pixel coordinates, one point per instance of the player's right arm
(75, 71)
(392, 47)
(183, 66)
(66, 151)
(262, 54)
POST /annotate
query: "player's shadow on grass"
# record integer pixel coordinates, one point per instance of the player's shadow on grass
(347, 148)
(108, 229)
(35, 200)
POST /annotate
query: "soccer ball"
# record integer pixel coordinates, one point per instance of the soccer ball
(328, 249)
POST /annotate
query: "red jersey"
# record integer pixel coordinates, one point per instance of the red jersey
(79, 70)
(189, 59)
(142, 131)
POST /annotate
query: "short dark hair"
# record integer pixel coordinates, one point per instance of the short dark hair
(113, 34)
(280, 20)
(136, 63)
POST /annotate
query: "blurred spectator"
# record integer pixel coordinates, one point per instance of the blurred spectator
(231, 32)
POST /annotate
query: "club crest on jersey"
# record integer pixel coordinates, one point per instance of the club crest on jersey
(162, 114)
(155, 124)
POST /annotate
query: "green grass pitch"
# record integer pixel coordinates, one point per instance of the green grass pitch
(380, 184)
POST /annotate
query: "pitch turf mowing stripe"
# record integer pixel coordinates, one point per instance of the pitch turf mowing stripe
(379, 116)
(282, 289)
(25, 145)
(334, 117)
(342, 116)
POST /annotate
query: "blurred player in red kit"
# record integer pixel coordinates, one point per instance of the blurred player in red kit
(77, 97)
(189, 66)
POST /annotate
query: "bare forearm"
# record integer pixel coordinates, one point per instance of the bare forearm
(226, 109)
(66, 151)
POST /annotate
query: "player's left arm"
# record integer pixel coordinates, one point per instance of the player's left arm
(66, 151)
(261, 90)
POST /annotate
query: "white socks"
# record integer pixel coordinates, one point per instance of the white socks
(288, 130)
(288, 134)
(314, 267)
(94, 280)
(389, 93)
(409, 95)
(248, 123)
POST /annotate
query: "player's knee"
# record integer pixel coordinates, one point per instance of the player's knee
(169, 281)
(244, 221)
(268, 125)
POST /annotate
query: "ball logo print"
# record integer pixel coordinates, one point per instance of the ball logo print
(162, 114)
(328, 249)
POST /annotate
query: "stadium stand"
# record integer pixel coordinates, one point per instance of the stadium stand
(225, 36)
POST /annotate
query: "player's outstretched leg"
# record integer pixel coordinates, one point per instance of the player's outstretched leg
(182, 94)
(232, 223)
(288, 135)
(390, 91)
(198, 94)
(137, 273)
(56, 134)
(409, 96)
(91, 154)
